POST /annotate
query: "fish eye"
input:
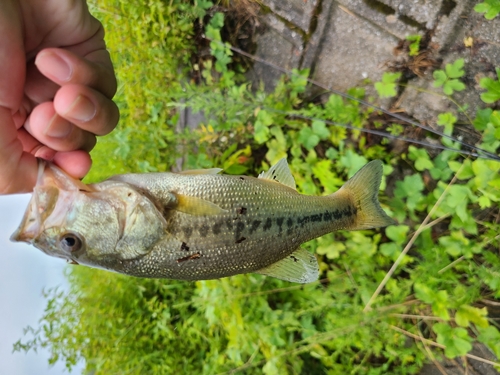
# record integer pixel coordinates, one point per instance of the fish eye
(70, 242)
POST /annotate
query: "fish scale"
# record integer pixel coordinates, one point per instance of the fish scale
(196, 224)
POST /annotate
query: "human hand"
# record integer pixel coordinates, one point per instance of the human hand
(56, 85)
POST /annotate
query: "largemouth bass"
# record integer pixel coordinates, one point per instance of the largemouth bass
(195, 225)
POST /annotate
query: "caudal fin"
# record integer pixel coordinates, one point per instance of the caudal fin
(363, 189)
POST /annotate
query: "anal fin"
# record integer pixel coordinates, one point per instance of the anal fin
(298, 267)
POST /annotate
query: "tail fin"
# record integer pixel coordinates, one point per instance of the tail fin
(363, 189)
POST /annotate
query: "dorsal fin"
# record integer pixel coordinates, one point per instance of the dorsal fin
(299, 267)
(280, 172)
(201, 171)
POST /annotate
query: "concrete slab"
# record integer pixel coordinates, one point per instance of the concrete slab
(297, 12)
(352, 50)
(424, 12)
(384, 17)
(277, 44)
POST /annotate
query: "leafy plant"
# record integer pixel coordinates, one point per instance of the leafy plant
(387, 87)
(493, 88)
(490, 8)
(415, 44)
(448, 78)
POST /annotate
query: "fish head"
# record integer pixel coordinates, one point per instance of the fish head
(102, 225)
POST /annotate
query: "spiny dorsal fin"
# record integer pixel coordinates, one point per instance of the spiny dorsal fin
(280, 172)
(201, 171)
(196, 206)
(298, 267)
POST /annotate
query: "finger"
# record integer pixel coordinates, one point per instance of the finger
(38, 88)
(75, 163)
(65, 67)
(18, 169)
(47, 127)
(86, 108)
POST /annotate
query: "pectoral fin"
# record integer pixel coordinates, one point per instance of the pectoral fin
(298, 267)
(280, 172)
(196, 206)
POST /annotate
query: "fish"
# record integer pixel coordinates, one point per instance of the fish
(196, 224)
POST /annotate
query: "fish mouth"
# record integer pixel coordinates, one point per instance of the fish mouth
(53, 186)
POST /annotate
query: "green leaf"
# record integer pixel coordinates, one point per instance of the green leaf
(261, 132)
(387, 87)
(390, 249)
(466, 314)
(421, 158)
(331, 153)
(319, 128)
(492, 87)
(449, 78)
(491, 8)
(438, 300)
(439, 78)
(453, 85)
(397, 233)
(456, 340)
(462, 169)
(308, 138)
(415, 44)
(482, 118)
(447, 120)
(455, 69)
(353, 162)
(327, 246)
(490, 336)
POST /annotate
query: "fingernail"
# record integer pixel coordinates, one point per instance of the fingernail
(55, 66)
(82, 109)
(58, 127)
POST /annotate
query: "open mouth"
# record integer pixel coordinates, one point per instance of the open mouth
(51, 197)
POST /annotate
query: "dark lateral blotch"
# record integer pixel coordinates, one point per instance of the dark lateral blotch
(242, 210)
(280, 221)
(217, 228)
(239, 228)
(268, 224)
(184, 246)
(255, 226)
(203, 230)
(241, 240)
(294, 258)
(187, 231)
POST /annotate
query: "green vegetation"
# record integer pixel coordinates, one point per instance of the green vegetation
(387, 87)
(492, 87)
(490, 8)
(414, 47)
(447, 206)
(449, 78)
